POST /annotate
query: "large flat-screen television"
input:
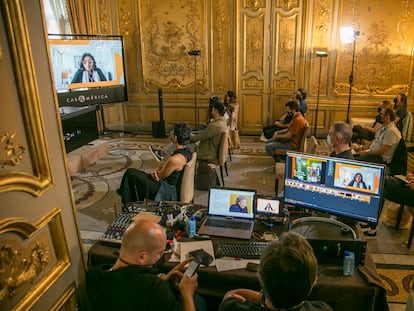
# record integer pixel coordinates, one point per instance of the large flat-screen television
(336, 186)
(88, 69)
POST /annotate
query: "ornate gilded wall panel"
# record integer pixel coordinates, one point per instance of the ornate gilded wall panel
(221, 46)
(287, 4)
(104, 17)
(321, 40)
(254, 47)
(33, 257)
(128, 25)
(285, 46)
(383, 57)
(169, 30)
(254, 5)
(33, 174)
(253, 83)
(251, 110)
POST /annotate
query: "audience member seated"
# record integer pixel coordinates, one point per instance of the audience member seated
(400, 108)
(303, 106)
(290, 137)
(133, 282)
(287, 273)
(339, 137)
(230, 102)
(363, 133)
(206, 142)
(162, 183)
(381, 149)
(399, 191)
(283, 123)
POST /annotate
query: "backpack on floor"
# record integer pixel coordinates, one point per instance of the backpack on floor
(206, 176)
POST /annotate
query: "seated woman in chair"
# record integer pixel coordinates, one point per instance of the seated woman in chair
(161, 184)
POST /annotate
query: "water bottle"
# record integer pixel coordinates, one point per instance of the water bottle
(191, 227)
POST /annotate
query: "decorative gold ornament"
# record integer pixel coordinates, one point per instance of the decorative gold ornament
(16, 270)
(14, 153)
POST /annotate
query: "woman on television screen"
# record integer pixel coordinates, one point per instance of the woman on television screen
(358, 182)
(88, 72)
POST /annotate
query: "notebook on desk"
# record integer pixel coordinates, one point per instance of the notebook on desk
(230, 213)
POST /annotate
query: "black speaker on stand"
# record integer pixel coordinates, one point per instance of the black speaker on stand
(158, 127)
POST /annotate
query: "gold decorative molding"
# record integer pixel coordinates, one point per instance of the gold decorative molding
(255, 32)
(68, 300)
(39, 179)
(288, 5)
(33, 257)
(254, 5)
(286, 45)
(14, 153)
(1, 54)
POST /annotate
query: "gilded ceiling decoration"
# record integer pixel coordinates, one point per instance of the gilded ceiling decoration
(254, 5)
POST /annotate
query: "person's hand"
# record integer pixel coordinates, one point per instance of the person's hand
(274, 135)
(154, 175)
(410, 177)
(188, 285)
(234, 294)
(176, 274)
(278, 123)
(411, 186)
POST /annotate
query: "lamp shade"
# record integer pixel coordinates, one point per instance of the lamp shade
(347, 35)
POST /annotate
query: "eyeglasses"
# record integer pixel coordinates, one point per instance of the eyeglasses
(87, 62)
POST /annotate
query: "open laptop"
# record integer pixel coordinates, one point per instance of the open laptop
(230, 213)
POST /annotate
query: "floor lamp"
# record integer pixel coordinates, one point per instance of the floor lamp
(195, 53)
(319, 54)
(349, 35)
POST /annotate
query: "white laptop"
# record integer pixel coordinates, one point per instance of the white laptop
(230, 213)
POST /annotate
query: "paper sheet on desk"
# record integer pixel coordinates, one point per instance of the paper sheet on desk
(232, 264)
(186, 247)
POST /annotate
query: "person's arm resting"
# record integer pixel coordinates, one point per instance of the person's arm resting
(378, 152)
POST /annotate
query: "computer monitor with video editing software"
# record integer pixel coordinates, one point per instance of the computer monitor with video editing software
(336, 186)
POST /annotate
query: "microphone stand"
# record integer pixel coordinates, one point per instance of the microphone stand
(195, 53)
(319, 54)
(351, 76)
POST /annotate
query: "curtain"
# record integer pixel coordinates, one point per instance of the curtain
(56, 16)
(81, 16)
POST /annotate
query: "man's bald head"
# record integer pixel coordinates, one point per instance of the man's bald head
(142, 236)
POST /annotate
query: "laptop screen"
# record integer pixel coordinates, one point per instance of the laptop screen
(268, 206)
(231, 202)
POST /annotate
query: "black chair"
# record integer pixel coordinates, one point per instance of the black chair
(398, 164)
(399, 216)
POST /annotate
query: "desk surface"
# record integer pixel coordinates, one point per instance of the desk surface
(361, 291)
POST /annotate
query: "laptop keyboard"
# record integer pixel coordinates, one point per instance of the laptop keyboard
(223, 223)
(240, 249)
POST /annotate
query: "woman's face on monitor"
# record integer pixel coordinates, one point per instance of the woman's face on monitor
(87, 63)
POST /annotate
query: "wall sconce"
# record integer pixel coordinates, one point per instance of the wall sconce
(349, 35)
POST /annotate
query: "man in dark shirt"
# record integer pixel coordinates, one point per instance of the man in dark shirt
(287, 274)
(339, 137)
(132, 283)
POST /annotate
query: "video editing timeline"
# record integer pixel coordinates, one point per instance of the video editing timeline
(330, 191)
(336, 186)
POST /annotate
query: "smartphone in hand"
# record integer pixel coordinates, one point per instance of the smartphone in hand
(192, 268)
